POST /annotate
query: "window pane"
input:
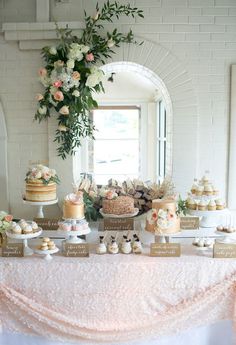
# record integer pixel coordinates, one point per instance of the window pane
(116, 157)
(116, 123)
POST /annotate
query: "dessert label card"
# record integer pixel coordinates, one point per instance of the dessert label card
(47, 223)
(165, 249)
(226, 251)
(116, 224)
(12, 249)
(76, 249)
(189, 223)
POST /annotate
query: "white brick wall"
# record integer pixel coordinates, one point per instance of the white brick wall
(198, 34)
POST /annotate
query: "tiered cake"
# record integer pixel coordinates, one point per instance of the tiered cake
(41, 184)
(162, 219)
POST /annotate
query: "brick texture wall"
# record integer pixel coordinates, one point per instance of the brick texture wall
(199, 34)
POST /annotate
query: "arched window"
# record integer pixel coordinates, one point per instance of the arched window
(134, 123)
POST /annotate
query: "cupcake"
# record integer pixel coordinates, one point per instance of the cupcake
(126, 247)
(27, 229)
(113, 246)
(191, 204)
(199, 190)
(215, 190)
(208, 189)
(205, 180)
(212, 205)
(194, 188)
(202, 206)
(16, 229)
(220, 204)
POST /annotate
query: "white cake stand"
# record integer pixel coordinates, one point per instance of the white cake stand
(71, 236)
(40, 205)
(47, 253)
(228, 237)
(165, 238)
(25, 237)
(209, 219)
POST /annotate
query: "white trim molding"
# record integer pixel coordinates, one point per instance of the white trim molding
(232, 143)
(4, 196)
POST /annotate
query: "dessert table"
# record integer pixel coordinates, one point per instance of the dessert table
(117, 298)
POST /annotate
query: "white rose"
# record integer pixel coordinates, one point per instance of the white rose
(52, 51)
(110, 43)
(92, 80)
(53, 172)
(42, 110)
(76, 93)
(38, 175)
(70, 63)
(84, 49)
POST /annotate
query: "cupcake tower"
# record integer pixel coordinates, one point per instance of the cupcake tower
(204, 196)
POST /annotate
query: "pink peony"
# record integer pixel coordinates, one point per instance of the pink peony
(46, 176)
(42, 72)
(76, 75)
(58, 96)
(64, 110)
(39, 97)
(57, 83)
(8, 218)
(110, 195)
(89, 57)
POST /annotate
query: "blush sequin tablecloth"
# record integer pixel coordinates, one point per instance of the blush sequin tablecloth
(113, 298)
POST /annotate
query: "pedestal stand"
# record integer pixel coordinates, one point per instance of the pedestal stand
(25, 237)
(40, 206)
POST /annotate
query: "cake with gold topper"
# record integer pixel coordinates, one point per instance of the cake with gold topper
(73, 206)
(162, 218)
(41, 184)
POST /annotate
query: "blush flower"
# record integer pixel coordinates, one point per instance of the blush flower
(39, 97)
(57, 83)
(58, 96)
(42, 72)
(64, 110)
(89, 57)
(8, 218)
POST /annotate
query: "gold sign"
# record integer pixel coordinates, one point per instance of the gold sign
(165, 249)
(222, 250)
(77, 249)
(116, 224)
(47, 223)
(189, 223)
(12, 249)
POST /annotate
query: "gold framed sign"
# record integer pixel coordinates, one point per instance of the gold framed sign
(118, 224)
(76, 250)
(12, 249)
(189, 223)
(165, 249)
(224, 251)
(47, 223)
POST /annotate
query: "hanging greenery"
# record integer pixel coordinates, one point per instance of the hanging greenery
(72, 75)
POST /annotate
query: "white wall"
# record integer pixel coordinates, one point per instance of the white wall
(200, 34)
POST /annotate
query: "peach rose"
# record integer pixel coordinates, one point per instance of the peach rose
(64, 110)
(8, 218)
(57, 83)
(76, 75)
(39, 97)
(58, 96)
(42, 72)
(89, 57)
(110, 195)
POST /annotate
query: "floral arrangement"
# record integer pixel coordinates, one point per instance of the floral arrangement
(42, 173)
(108, 194)
(70, 77)
(5, 220)
(162, 218)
